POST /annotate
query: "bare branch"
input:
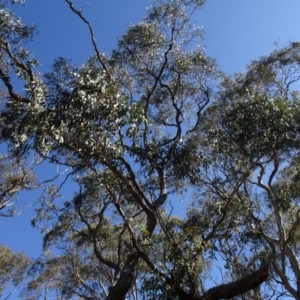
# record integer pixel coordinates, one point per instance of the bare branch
(99, 56)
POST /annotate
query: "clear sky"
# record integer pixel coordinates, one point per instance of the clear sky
(236, 31)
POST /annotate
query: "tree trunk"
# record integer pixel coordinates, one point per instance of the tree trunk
(119, 290)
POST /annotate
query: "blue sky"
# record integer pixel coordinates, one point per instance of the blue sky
(236, 31)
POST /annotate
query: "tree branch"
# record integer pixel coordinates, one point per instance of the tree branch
(79, 14)
(239, 287)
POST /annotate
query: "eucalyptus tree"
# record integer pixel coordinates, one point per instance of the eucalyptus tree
(128, 125)
(256, 134)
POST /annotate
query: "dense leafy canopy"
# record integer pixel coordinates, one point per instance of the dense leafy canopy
(152, 122)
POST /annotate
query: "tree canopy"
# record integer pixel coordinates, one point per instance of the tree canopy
(154, 121)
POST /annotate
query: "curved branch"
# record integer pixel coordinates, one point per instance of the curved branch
(103, 260)
(224, 210)
(6, 79)
(239, 287)
(156, 81)
(79, 14)
(274, 171)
